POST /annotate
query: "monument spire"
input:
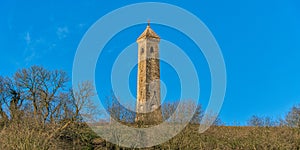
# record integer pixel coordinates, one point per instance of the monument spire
(148, 109)
(148, 33)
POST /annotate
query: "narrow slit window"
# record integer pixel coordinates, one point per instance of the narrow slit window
(151, 50)
(142, 50)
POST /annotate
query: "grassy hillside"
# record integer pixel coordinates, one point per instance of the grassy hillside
(39, 111)
(225, 137)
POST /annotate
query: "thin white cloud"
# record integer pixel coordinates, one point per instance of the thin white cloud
(30, 57)
(27, 38)
(30, 53)
(81, 25)
(62, 32)
(38, 46)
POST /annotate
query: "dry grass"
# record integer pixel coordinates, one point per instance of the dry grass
(228, 138)
(224, 137)
(26, 135)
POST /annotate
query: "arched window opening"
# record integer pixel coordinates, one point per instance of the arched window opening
(151, 50)
(142, 50)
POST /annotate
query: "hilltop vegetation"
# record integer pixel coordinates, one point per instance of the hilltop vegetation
(39, 111)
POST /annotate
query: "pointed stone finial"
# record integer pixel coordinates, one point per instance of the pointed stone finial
(148, 33)
(149, 22)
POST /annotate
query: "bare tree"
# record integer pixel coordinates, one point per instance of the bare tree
(10, 98)
(118, 111)
(261, 121)
(292, 118)
(168, 109)
(3, 99)
(42, 88)
(84, 105)
(256, 121)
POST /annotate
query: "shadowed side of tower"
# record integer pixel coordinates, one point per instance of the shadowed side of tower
(148, 81)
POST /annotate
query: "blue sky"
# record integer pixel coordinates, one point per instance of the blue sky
(260, 42)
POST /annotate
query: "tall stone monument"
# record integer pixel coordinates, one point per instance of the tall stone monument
(148, 81)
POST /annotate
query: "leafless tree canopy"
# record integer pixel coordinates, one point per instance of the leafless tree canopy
(38, 99)
(40, 110)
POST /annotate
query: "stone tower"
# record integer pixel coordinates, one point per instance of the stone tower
(148, 81)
